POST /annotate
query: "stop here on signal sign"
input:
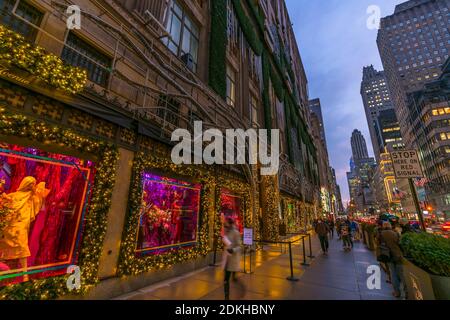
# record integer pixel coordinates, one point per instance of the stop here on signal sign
(406, 164)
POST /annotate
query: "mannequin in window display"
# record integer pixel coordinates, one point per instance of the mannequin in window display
(145, 222)
(27, 201)
(51, 236)
(177, 222)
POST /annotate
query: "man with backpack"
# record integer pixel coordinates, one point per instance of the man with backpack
(390, 253)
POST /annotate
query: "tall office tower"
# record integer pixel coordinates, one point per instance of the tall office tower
(316, 108)
(381, 119)
(414, 43)
(359, 147)
(361, 173)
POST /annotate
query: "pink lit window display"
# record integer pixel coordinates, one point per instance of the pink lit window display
(232, 207)
(169, 214)
(43, 201)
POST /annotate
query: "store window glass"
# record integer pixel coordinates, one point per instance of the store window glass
(24, 11)
(43, 200)
(231, 206)
(184, 36)
(169, 214)
(231, 87)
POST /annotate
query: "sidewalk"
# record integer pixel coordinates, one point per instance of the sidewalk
(338, 276)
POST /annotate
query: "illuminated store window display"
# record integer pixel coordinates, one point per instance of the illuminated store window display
(43, 201)
(232, 207)
(169, 214)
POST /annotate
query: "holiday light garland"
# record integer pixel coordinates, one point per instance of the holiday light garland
(16, 51)
(129, 263)
(95, 222)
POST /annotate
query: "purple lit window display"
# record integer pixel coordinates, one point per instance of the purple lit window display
(169, 214)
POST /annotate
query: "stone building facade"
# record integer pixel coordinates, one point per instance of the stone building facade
(152, 67)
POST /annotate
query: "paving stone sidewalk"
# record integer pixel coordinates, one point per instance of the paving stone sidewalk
(338, 276)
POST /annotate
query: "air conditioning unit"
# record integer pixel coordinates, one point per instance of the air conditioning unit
(188, 61)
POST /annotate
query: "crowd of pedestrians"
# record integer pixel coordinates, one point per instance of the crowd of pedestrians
(347, 230)
(388, 233)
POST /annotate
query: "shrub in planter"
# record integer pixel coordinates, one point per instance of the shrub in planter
(427, 251)
(428, 265)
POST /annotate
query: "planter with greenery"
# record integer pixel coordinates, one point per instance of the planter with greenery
(428, 264)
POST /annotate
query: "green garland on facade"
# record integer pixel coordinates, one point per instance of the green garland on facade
(218, 48)
(247, 28)
(95, 222)
(277, 84)
(272, 72)
(129, 262)
(257, 14)
(287, 112)
(265, 94)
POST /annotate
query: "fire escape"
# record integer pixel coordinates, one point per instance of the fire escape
(172, 83)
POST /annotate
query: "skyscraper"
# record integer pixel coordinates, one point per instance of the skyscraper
(316, 108)
(381, 118)
(359, 179)
(414, 43)
(359, 146)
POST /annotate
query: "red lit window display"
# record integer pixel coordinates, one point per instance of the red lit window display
(231, 207)
(43, 198)
(169, 214)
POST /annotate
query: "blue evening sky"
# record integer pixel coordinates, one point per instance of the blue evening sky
(335, 44)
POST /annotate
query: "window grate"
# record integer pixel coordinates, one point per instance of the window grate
(87, 57)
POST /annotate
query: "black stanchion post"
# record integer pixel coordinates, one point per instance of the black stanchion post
(214, 259)
(304, 252)
(251, 259)
(245, 259)
(291, 278)
(310, 247)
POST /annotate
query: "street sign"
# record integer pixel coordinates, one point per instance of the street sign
(248, 236)
(406, 164)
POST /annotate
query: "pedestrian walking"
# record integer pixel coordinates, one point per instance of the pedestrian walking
(322, 231)
(391, 239)
(346, 236)
(331, 226)
(314, 224)
(381, 254)
(406, 227)
(349, 239)
(338, 228)
(232, 257)
(354, 227)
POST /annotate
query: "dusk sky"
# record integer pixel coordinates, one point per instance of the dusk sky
(335, 44)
